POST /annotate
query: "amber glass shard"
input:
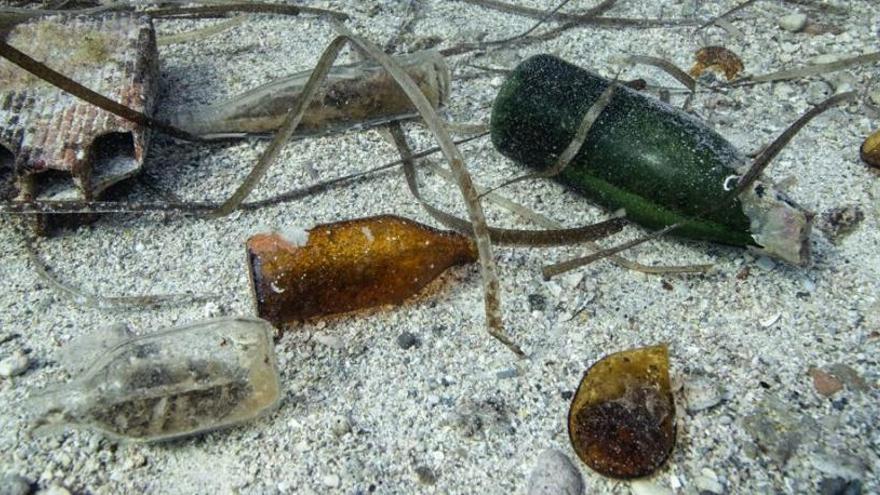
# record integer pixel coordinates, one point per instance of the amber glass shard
(717, 58)
(870, 150)
(343, 266)
(622, 418)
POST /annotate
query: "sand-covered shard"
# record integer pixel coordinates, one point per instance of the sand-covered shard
(169, 384)
(352, 96)
(344, 266)
(622, 417)
(63, 148)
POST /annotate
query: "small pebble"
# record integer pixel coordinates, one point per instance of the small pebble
(701, 394)
(331, 480)
(793, 22)
(818, 91)
(707, 481)
(340, 425)
(825, 383)
(408, 340)
(425, 475)
(642, 487)
(554, 474)
(14, 484)
(836, 223)
(14, 365)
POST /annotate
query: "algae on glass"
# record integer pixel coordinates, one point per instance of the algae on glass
(658, 163)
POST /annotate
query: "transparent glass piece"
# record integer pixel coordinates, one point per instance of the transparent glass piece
(169, 384)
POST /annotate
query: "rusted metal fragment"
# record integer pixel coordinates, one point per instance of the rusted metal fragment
(353, 96)
(60, 147)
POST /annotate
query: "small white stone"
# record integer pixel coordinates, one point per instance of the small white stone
(14, 365)
(793, 22)
(554, 474)
(647, 488)
(330, 480)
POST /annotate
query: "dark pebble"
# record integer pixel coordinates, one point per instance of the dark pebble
(407, 340)
(537, 302)
(840, 486)
(426, 476)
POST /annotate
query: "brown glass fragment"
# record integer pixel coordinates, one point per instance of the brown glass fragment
(343, 266)
(717, 58)
(870, 150)
(622, 418)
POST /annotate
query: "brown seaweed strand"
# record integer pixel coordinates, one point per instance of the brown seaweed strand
(496, 330)
(68, 85)
(491, 290)
(291, 121)
(508, 237)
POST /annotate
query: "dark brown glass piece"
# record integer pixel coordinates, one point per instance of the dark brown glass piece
(717, 58)
(343, 266)
(622, 418)
(870, 150)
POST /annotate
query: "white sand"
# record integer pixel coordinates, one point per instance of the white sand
(461, 404)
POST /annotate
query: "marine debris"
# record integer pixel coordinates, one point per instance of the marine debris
(356, 96)
(622, 418)
(168, 384)
(659, 164)
(344, 266)
(63, 148)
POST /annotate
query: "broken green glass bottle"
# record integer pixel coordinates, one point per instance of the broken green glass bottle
(165, 385)
(658, 163)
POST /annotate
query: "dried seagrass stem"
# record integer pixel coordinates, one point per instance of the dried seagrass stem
(294, 117)
(510, 237)
(491, 287)
(95, 300)
(68, 85)
(548, 223)
(810, 70)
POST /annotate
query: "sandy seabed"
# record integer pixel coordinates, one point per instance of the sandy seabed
(458, 412)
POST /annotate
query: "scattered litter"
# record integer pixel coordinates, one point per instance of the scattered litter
(622, 418)
(169, 384)
(47, 130)
(341, 270)
(675, 158)
(352, 96)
